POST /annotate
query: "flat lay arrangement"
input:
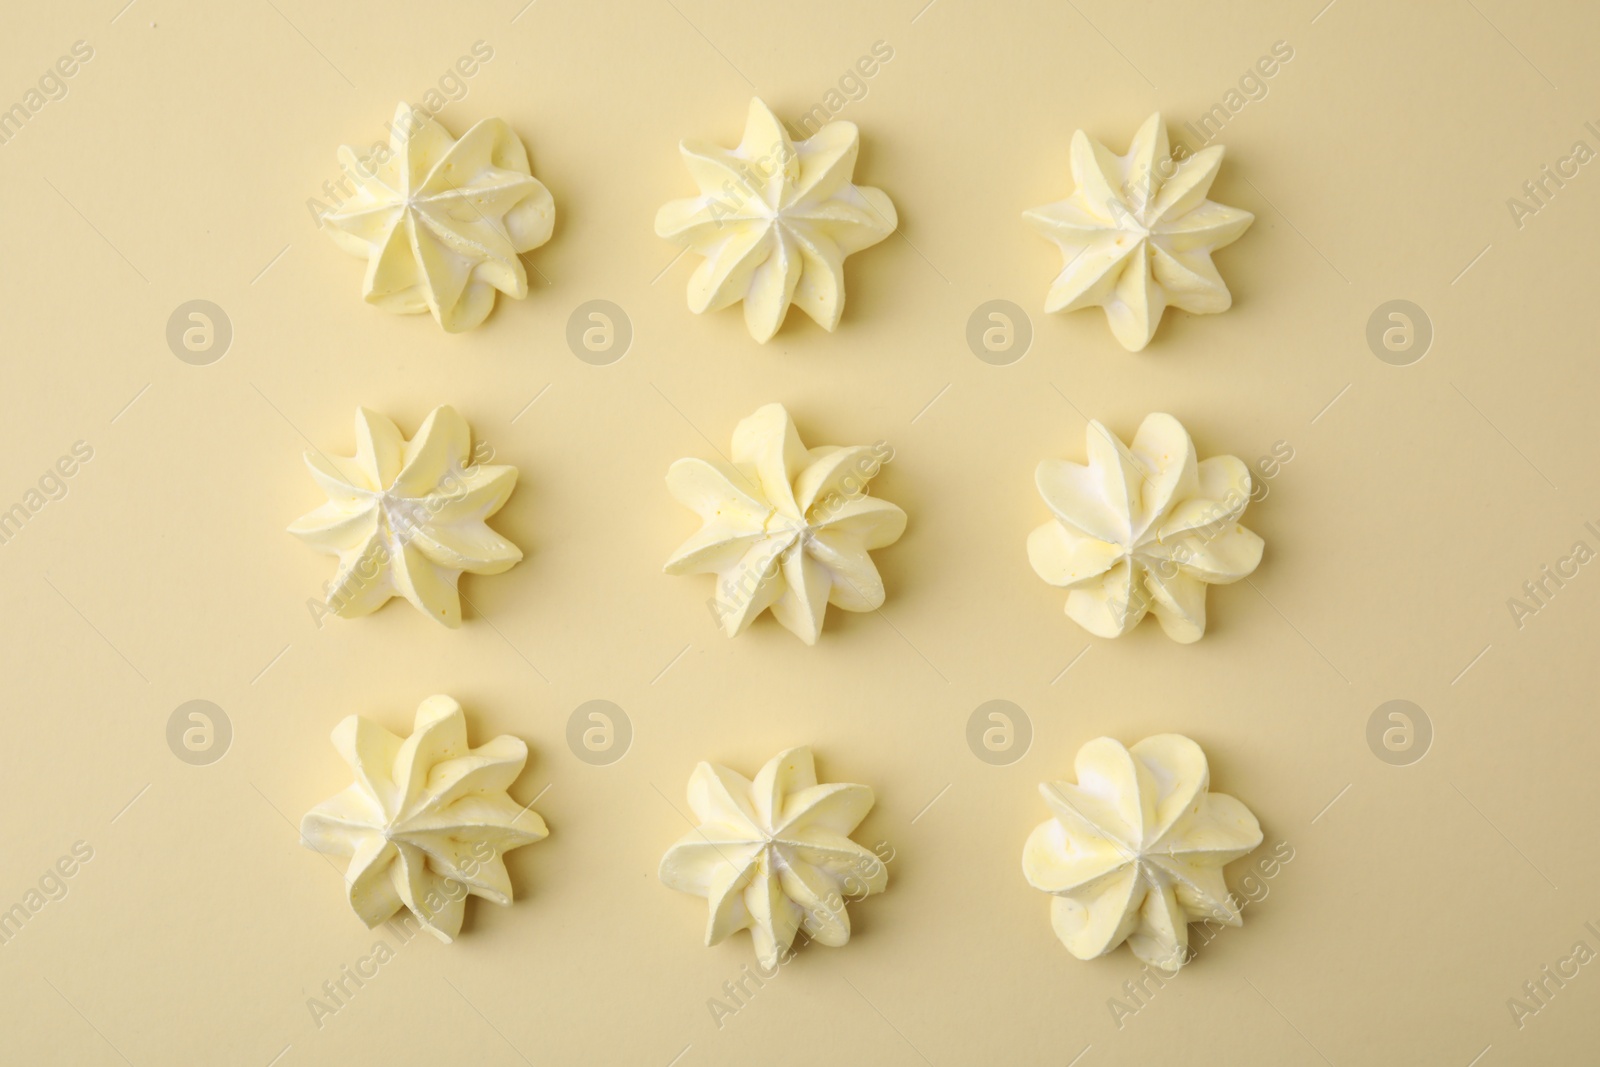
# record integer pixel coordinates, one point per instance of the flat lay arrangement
(789, 529)
(702, 534)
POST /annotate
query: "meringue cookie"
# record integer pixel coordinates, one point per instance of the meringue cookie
(785, 527)
(1137, 233)
(1136, 848)
(775, 220)
(1140, 529)
(441, 222)
(406, 518)
(774, 856)
(427, 821)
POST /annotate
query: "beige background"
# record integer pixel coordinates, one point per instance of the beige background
(1378, 165)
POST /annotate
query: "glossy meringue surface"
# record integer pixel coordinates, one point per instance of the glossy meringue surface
(1143, 528)
(774, 220)
(406, 518)
(1137, 233)
(785, 527)
(773, 855)
(427, 822)
(1134, 850)
(441, 222)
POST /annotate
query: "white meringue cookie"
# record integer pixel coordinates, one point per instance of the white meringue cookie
(427, 822)
(785, 527)
(406, 518)
(441, 222)
(1141, 529)
(1137, 233)
(1134, 851)
(774, 856)
(775, 220)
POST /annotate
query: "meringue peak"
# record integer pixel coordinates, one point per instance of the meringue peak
(1137, 233)
(1134, 850)
(773, 855)
(442, 222)
(406, 518)
(1143, 528)
(775, 219)
(427, 822)
(785, 527)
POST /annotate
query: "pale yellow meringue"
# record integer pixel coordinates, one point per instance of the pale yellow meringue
(785, 527)
(1134, 850)
(441, 222)
(774, 855)
(1137, 233)
(1143, 529)
(406, 518)
(427, 822)
(775, 219)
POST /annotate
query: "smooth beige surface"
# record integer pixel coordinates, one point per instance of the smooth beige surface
(1378, 165)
